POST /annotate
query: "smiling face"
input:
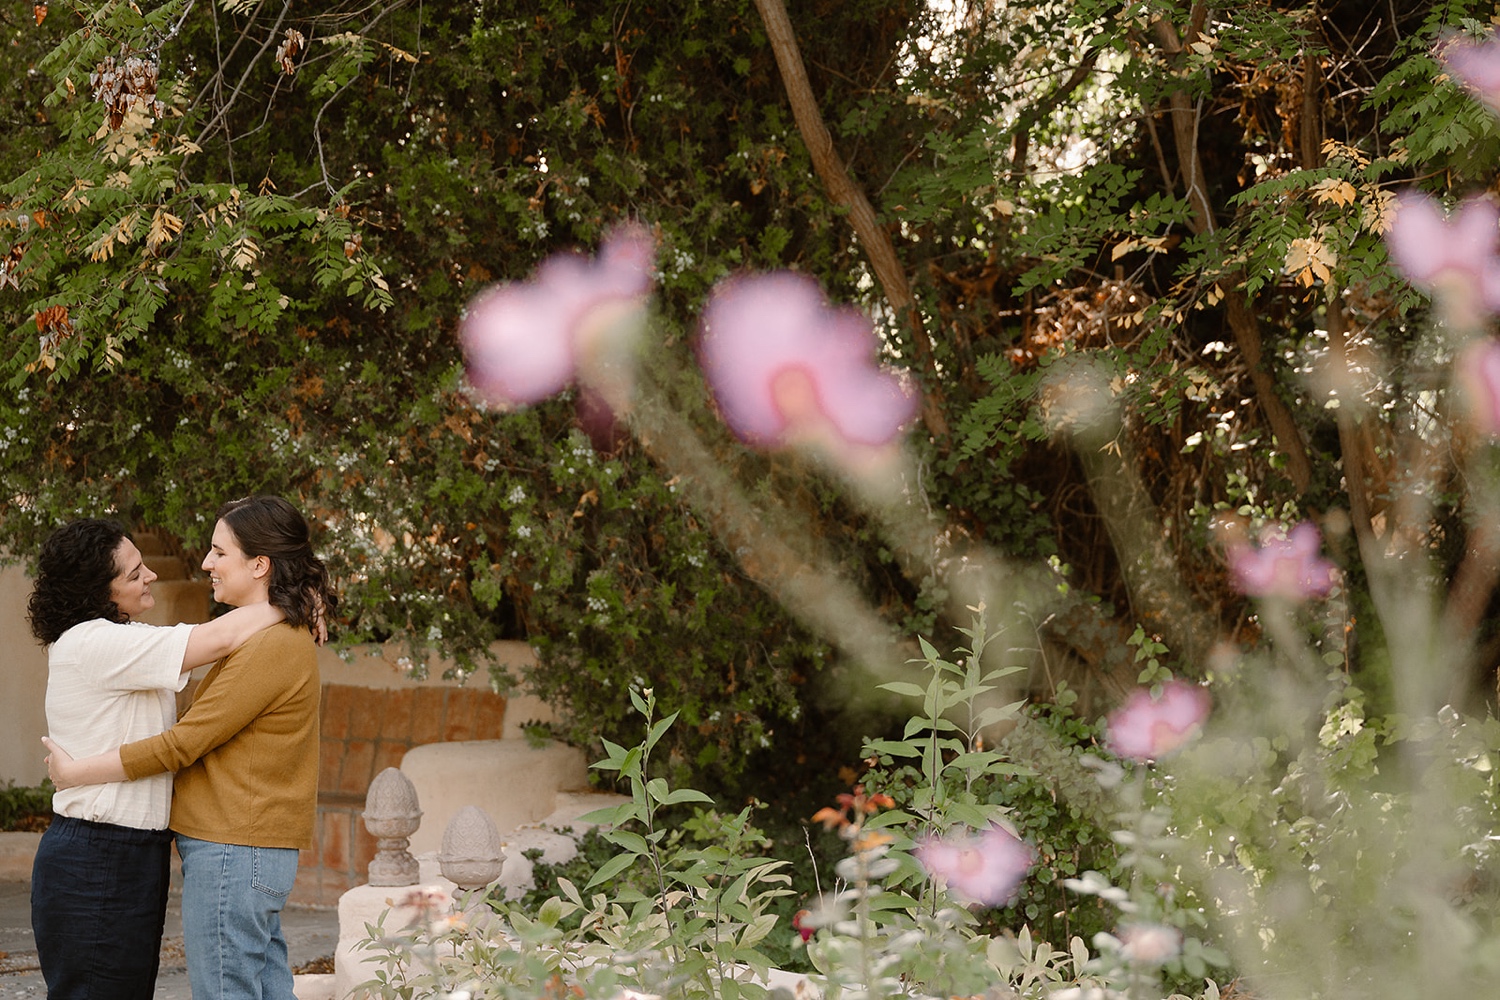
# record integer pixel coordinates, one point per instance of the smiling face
(237, 579)
(130, 588)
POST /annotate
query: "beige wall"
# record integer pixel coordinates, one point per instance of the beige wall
(23, 673)
(23, 685)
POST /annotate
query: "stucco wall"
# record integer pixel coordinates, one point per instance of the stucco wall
(23, 685)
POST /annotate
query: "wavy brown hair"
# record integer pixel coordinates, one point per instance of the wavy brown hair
(270, 526)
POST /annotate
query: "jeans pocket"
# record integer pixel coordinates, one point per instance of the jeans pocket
(273, 870)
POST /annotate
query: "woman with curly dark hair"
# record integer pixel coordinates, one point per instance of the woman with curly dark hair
(99, 881)
(245, 755)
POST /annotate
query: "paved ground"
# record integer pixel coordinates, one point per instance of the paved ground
(311, 934)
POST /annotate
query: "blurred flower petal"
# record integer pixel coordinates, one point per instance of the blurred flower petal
(1476, 65)
(1455, 257)
(786, 368)
(1150, 944)
(985, 868)
(1147, 728)
(1284, 565)
(1479, 373)
(526, 340)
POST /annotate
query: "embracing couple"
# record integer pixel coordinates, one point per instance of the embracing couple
(244, 756)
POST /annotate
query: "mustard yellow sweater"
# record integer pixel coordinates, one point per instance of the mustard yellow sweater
(246, 752)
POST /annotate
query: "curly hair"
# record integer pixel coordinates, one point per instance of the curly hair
(270, 526)
(74, 571)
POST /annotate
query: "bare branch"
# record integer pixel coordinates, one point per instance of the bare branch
(877, 244)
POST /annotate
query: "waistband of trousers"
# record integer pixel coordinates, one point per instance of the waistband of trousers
(112, 831)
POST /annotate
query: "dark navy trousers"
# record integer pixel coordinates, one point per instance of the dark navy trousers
(98, 905)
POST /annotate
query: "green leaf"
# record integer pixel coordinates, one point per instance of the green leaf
(611, 868)
(630, 841)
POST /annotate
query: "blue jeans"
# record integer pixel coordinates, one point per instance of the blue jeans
(232, 897)
(98, 902)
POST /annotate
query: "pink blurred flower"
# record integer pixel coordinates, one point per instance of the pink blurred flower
(428, 899)
(1455, 257)
(985, 868)
(527, 340)
(1478, 372)
(1285, 565)
(1476, 65)
(1147, 728)
(785, 368)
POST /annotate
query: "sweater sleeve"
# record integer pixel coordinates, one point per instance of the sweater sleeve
(240, 687)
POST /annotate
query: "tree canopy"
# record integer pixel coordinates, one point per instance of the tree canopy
(238, 237)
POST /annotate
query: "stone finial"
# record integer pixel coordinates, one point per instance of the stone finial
(392, 815)
(471, 856)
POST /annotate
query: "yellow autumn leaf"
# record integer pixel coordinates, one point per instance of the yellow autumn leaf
(1335, 190)
(74, 200)
(1308, 259)
(164, 226)
(1379, 211)
(242, 253)
(122, 232)
(1154, 244)
(1335, 150)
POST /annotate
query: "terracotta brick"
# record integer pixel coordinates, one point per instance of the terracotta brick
(398, 712)
(363, 852)
(489, 723)
(336, 702)
(428, 710)
(388, 754)
(330, 759)
(334, 837)
(319, 887)
(357, 771)
(462, 707)
(366, 714)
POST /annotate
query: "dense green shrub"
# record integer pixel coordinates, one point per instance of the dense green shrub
(26, 808)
